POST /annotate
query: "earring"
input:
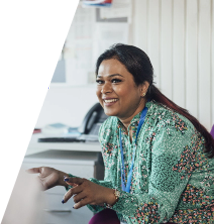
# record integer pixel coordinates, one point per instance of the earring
(144, 94)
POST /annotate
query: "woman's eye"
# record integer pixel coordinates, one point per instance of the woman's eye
(115, 80)
(99, 81)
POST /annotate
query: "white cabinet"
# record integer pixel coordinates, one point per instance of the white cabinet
(81, 164)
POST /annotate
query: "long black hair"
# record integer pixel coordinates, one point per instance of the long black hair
(139, 65)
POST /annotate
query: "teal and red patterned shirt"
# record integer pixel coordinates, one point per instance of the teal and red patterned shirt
(173, 179)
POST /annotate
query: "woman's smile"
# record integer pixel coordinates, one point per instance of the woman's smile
(109, 101)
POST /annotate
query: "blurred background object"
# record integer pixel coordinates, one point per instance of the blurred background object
(26, 201)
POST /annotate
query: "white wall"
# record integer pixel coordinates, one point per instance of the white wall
(178, 36)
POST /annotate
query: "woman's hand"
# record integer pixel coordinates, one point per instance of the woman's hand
(49, 177)
(86, 192)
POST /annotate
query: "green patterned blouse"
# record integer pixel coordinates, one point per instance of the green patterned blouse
(173, 180)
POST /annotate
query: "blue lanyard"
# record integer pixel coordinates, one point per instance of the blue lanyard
(128, 184)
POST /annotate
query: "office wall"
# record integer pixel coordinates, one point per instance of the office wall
(178, 35)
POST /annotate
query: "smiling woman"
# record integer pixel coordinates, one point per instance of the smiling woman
(159, 165)
(117, 92)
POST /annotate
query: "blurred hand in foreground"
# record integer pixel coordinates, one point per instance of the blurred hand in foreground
(49, 177)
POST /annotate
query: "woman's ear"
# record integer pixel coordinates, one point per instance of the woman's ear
(144, 88)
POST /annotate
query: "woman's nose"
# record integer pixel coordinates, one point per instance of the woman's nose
(106, 88)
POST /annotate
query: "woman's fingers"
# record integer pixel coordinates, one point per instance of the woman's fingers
(66, 179)
(82, 203)
(86, 192)
(34, 170)
(78, 197)
(74, 180)
(71, 192)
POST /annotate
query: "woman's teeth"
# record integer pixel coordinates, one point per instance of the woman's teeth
(110, 101)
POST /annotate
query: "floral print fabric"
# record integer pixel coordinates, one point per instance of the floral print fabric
(173, 180)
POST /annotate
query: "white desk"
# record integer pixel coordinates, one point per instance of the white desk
(36, 147)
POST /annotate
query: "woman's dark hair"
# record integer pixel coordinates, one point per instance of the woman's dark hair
(138, 64)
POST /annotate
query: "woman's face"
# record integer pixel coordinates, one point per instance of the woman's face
(117, 91)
